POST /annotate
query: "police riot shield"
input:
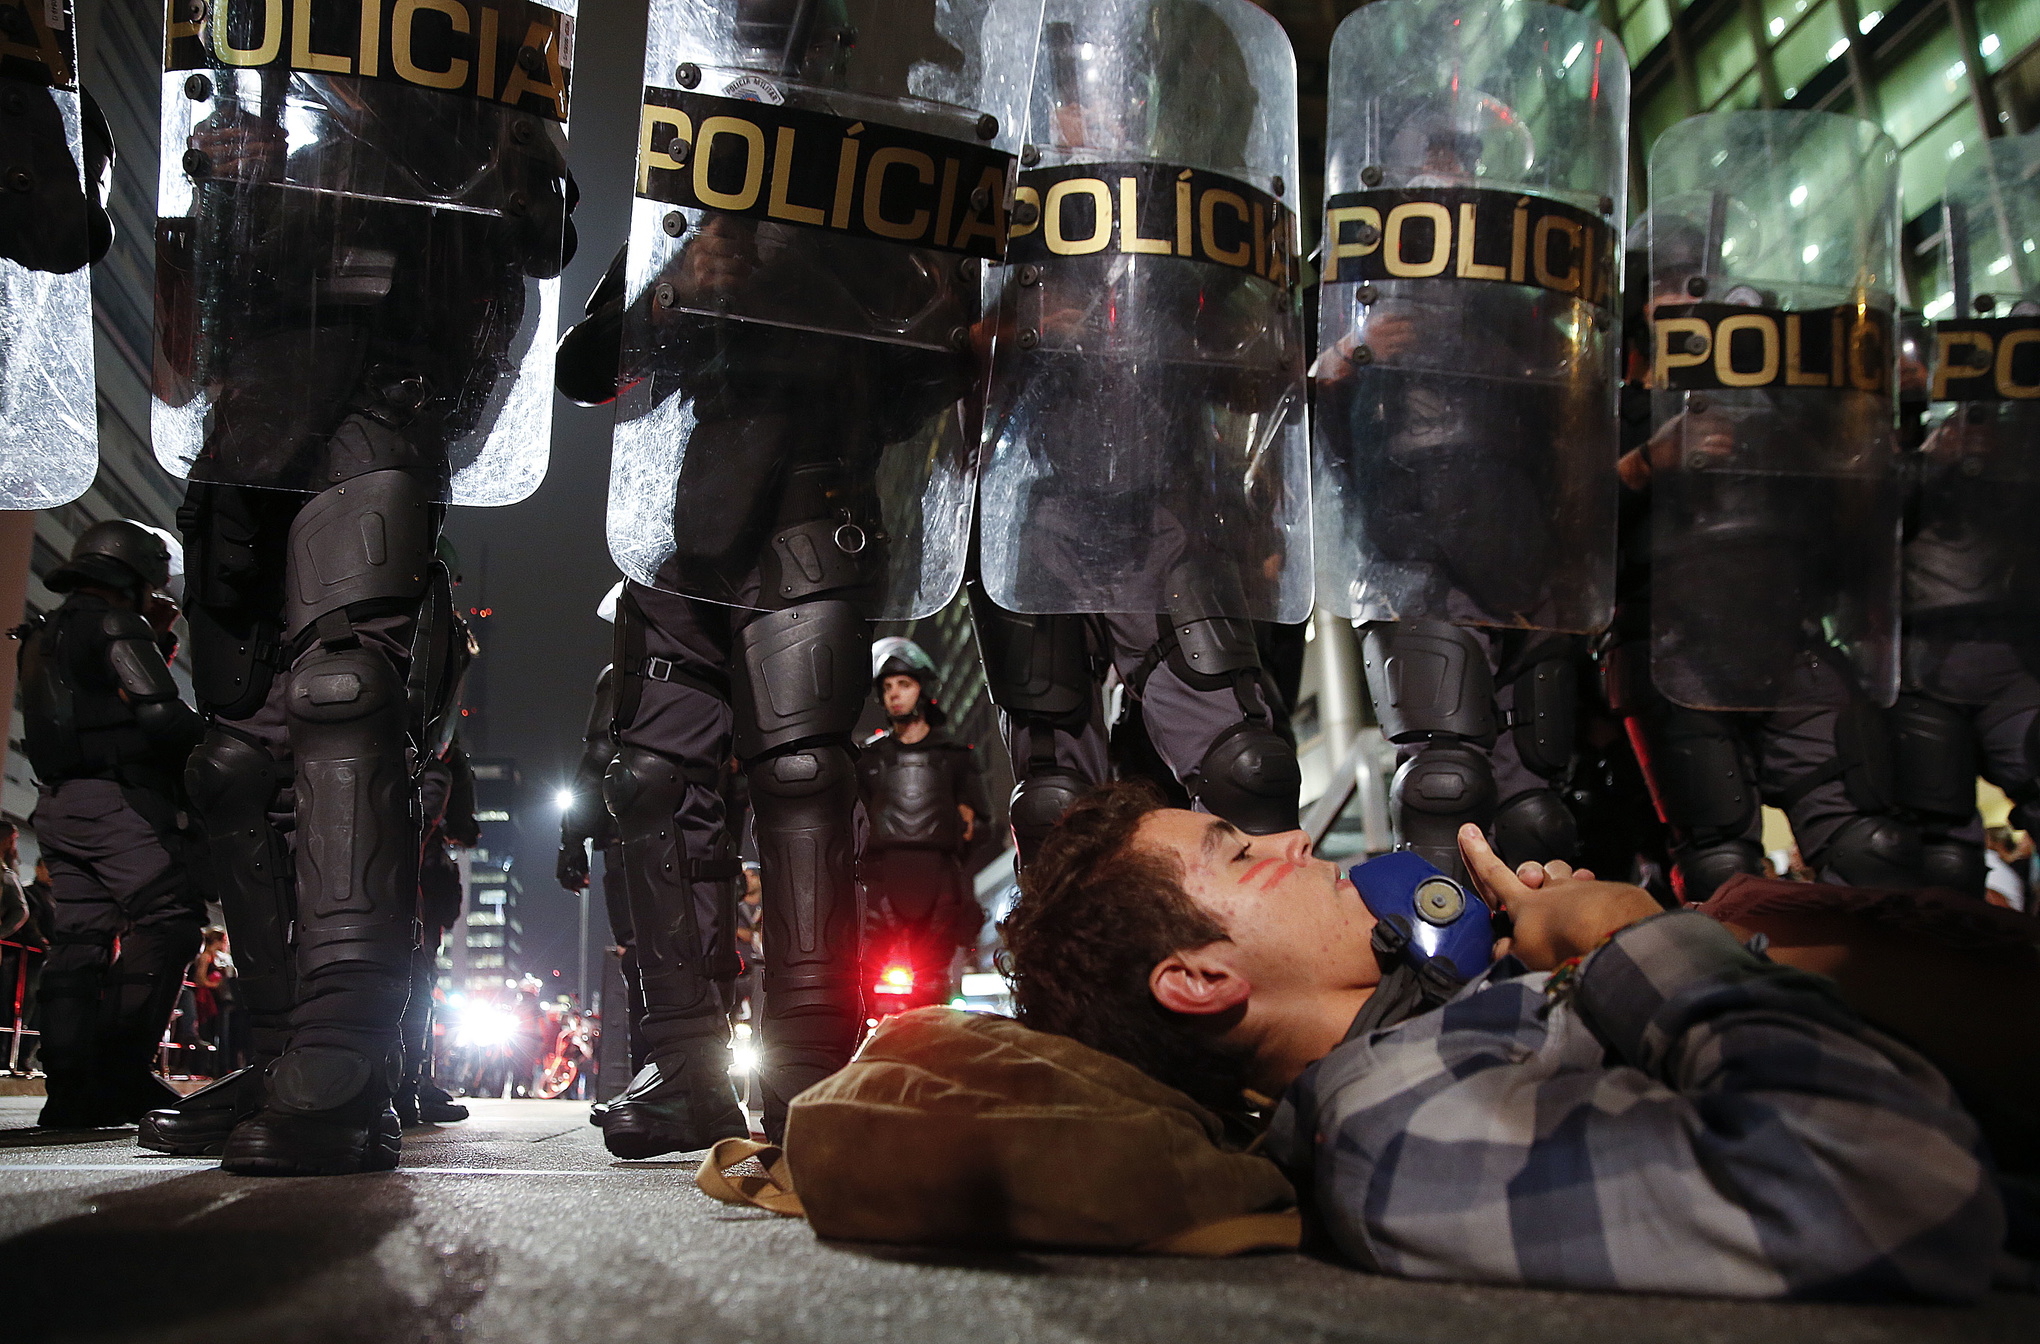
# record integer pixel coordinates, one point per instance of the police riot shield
(1145, 443)
(1774, 499)
(362, 216)
(820, 186)
(1973, 555)
(1468, 328)
(49, 437)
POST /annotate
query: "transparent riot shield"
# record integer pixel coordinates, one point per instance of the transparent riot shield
(1774, 500)
(361, 224)
(1145, 444)
(1972, 558)
(1468, 327)
(49, 427)
(820, 185)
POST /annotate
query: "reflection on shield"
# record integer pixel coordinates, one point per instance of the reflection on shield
(1466, 342)
(1145, 446)
(49, 440)
(820, 187)
(360, 270)
(1774, 504)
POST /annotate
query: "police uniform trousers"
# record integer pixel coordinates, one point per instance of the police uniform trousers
(117, 871)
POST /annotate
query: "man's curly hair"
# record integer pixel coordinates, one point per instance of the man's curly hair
(1096, 913)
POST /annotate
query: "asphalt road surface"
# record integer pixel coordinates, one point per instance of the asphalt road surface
(518, 1226)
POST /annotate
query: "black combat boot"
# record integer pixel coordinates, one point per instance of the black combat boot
(680, 1103)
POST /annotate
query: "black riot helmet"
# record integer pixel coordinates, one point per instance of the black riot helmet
(119, 554)
(895, 656)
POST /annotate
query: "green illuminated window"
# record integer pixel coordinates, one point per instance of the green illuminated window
(1807, 49)
(2004, 28)
(1919, 89)
(1923, 165)
(1725, 57)
(1661, 111)
(1644, 26)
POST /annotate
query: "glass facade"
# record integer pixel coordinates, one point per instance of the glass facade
(1908, 69)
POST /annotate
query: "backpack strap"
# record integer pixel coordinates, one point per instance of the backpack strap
(772, 1191)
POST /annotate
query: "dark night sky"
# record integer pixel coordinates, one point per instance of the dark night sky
(542, 565)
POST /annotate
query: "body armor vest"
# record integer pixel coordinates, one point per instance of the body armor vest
(911, 792)
(76, 724)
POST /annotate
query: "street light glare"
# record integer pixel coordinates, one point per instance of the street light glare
(564, 799)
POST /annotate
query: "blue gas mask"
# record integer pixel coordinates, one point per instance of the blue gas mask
(1435, 917)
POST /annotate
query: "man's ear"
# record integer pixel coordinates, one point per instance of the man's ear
(1198, 983)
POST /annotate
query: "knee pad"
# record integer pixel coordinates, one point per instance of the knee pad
(1536, 826)
(1542, 712)
(1429, 678)
(1957, 865)
(1041, 797)
(802, 675)
(1438, 790)
(1250, 777)
(1935, 756)
(367, 540)
(1870, 852)
(644, 790)
(1704, 781)
(1036, 667)
(357, 852)
(1702, 868)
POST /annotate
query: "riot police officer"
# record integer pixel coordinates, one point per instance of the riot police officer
(446, 808)
(585, 823)
(56, 153)
(107, 734)
(922, 797)
(1756, 638)
(1143, 502)
(1969, 702)
(1465, 507)
(351, 285)
(792, 463)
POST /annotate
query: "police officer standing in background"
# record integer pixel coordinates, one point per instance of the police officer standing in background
(107, 735)
(923, 797)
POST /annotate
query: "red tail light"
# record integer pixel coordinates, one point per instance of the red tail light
(895, 979)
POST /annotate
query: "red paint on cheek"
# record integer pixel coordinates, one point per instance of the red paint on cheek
(1282, 872)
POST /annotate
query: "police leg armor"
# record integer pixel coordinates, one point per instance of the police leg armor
(1706, 789)
(681, 1099)
(799, 689)
(1936, 762)
(1872, 846)
(1434, 694)
(1038, 670)
(358, 551)
(1249, 774)
(234, 785)
(1539, 703)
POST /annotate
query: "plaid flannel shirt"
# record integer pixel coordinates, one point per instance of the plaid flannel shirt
(1685, 1117)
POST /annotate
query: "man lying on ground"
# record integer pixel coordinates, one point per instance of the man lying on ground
(1629, 1100)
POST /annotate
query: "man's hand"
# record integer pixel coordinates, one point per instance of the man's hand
(1558, 914)
(572, 868)
(720, 261)
(969, 821)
